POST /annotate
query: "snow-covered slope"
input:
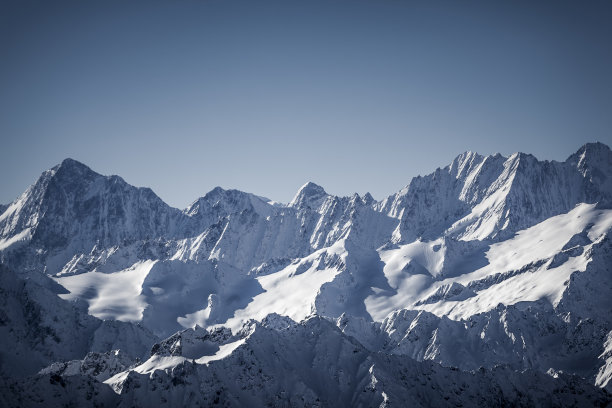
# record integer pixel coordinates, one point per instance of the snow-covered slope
(37, 328)
(489, 260)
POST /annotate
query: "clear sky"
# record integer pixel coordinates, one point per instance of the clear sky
(262, 96)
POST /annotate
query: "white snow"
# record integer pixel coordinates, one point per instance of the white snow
(539, 242)
(544, 283)
(224, 351)
(110, 295)
(287, 293)
(429, 255)
(405, 267)
(20, 237)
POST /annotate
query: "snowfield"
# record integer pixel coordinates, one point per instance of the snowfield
(115, 296)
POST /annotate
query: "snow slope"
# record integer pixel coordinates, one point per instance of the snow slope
(37, 328)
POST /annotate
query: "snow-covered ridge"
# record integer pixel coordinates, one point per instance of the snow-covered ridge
(87, 229)
(510, 255)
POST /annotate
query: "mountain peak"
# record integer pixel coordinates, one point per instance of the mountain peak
(467, 155)
(71, 163)
(313, 187)
(309, 195)
(522, 156)
(594, 161)
(592, 155)
(215, 192)
(590, 151)
(368, 199)
(595, 147)
(73, 168)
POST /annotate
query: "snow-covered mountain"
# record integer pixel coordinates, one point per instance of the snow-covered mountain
(483, 278)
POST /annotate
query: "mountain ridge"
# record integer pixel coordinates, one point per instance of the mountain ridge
(488, 261)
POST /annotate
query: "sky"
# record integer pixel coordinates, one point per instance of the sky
(263, 96)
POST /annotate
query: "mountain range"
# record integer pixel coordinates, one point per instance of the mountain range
(486, 282)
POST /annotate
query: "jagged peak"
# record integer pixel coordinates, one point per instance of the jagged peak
(521, 156)
(520, 161)
(308, 194)
(467, 155)
(463, 164)
(215, 192)
(594, 161)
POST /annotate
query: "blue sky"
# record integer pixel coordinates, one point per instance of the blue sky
(262, 96)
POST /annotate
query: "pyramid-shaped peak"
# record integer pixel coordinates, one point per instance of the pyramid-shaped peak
(73, 168)
(215, 192)
(312, 188)
(367, 198)
(308, 195)
(70, 163)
